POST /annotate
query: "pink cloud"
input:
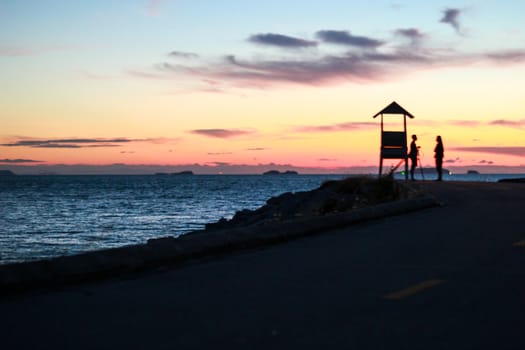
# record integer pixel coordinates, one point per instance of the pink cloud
(466, 123)
(511, 151)
(509, 123)
(221, 133)
(335, 127)
(280, 40)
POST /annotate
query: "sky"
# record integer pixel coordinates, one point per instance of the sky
(234, 85)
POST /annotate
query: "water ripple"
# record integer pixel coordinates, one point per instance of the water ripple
(47, 216)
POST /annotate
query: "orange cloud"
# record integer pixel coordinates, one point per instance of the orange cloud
(221, 133)
(335, 127)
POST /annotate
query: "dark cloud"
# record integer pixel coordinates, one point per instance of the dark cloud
(342, 37)
(221, 133)
(256, 149)
(18, 161)
(335, 127)
(281, 41)
(186, 55)
(486, 162)
(369, 60)
(102, 145)
(307, 71)
(65, 143)
(326, 159)
(413, 34)
(58, 145)
(322, 69)
(451, 16)
(414, 57)
(77, 142)
(511, 151)
(452, 161)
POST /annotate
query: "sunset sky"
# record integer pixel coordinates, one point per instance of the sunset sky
(229, 83)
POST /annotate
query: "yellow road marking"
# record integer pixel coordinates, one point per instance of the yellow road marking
(414, 289)
(519, 244)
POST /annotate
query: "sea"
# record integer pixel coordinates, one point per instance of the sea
(48, 216)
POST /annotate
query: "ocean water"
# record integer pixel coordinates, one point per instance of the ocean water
(48, 216)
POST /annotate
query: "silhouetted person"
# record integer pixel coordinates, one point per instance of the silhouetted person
(412, 154)
(439, 152)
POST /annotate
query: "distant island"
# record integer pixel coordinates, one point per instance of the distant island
(473, 172)
(6, 173)
(277, 172)
(186, 172)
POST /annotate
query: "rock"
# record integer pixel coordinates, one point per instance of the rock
(514, 180)
(331, 197)
(161, 240)
(279, 199)
(222, 223)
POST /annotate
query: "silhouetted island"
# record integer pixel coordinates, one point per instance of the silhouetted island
(277, 172)
(6, 173)
(186, 172)
(472, 172)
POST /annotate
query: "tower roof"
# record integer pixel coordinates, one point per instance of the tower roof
(394, 108)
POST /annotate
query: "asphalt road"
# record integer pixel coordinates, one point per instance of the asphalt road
(451, 277)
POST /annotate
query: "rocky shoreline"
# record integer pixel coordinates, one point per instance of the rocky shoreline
(291, 215)
(336, 196)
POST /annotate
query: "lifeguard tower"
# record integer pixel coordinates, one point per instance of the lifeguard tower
(394, 143)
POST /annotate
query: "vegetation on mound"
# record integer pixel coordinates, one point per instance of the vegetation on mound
(333, 196)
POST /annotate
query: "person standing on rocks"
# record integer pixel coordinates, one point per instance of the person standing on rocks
(439, 153)
(413, 155)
